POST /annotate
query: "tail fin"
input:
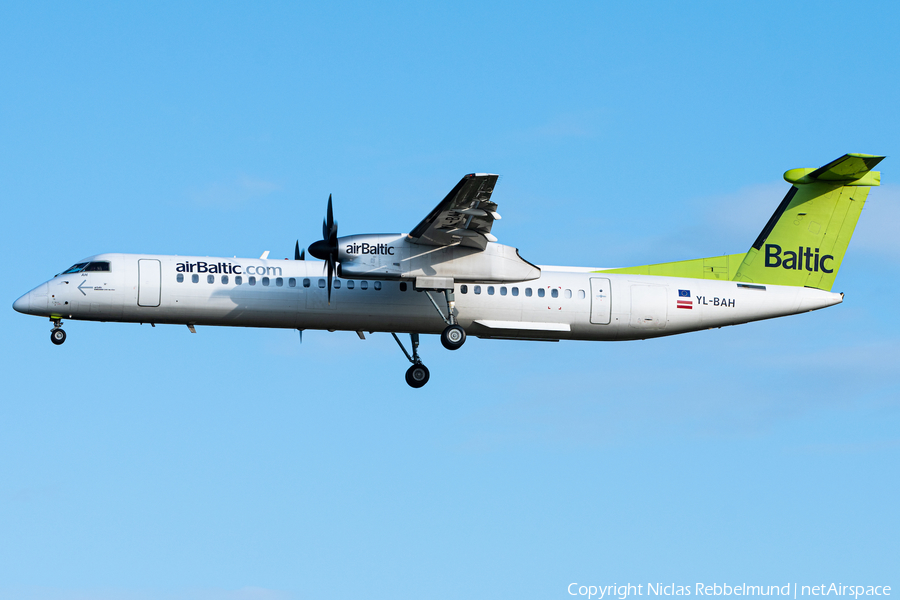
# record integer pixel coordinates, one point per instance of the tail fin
(804, 242)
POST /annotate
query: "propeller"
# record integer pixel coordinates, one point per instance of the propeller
(298, 254)
(327, 248)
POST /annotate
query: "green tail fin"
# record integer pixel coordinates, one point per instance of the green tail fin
(804, 242)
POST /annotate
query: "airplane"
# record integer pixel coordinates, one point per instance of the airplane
(450, 277)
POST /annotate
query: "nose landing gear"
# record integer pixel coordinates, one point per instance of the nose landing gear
(57, 335)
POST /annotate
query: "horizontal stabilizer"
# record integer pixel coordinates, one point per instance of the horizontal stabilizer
(850, 169)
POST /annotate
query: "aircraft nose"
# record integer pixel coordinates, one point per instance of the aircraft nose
(23, 304)
(34, 302)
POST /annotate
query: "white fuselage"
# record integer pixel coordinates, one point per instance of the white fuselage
(563, 303)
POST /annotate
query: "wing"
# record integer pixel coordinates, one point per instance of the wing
(464, 217)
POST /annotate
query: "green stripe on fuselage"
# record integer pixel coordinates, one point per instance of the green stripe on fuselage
(723, 268)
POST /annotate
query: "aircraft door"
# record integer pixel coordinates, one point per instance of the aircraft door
(648, 307)
(149, 282)
(601, 301)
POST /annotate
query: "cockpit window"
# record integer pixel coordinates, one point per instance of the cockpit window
(75, 268)
(97, 266)
(100, 265)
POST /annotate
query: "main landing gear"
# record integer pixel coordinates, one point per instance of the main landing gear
(418, 374)
(453, 336)
(57, 335)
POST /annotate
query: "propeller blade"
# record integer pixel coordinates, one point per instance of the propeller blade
(332, 226)
(297, 254)
(327, 248)
(330, 275)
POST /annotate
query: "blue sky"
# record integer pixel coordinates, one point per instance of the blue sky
(239, 464)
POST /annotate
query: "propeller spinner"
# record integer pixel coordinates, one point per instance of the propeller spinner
(327, 248)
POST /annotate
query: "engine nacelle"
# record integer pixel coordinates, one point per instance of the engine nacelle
(393, 256)
(371, 256)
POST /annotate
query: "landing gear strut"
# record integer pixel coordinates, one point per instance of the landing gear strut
(417, 375)
(453, 336)
(57, 335)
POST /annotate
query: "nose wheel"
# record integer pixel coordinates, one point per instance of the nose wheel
(57, 335)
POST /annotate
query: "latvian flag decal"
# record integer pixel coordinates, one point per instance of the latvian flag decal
(684, 299)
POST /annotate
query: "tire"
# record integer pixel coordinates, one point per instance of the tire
(417, 376)
(453, 337)
(57, 336)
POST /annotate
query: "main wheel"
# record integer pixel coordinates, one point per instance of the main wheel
(57, 336)
(417, 376)
(453, 337)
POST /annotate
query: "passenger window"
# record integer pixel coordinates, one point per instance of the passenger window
(541, 292)
(210, 278)
(363, 285)
(337, 284)
(377, 285)
(225, 279)
(251, 280)
(292, 282)
(265, 281)
(180, 278)
(195, 278)
(568, 294)
(322, 283)
(238, 280)
(528, 292)
(515, 291)
(554, 293)
(490, 290)
(463, 289)
(503, 290)
(581, 294)
(279, 282)
(402, 286)
(350, 285)
(306, 282)
(477, 289)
